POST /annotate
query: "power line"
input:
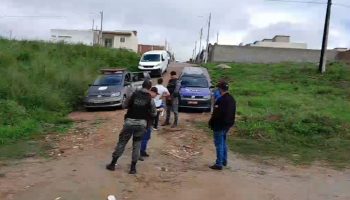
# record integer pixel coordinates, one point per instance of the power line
(342, 5)
(311, 2)
(297, 1)
(29, 16)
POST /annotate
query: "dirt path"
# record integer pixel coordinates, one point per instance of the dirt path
(177, 169)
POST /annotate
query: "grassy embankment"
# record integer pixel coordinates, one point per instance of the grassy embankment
(291, 111)
(42, 82)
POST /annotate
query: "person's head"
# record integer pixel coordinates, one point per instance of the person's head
(223, 87)
(154, 92)
(160, 81)
(147, 84)
(173, 74)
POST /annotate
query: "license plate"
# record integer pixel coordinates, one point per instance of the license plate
(193, 102)
(98, 101)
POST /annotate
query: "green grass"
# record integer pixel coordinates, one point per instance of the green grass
(290, 110)
(42, 82)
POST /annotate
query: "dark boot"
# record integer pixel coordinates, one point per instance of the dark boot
(175, 123)
(111, 166)
(216, 167)
(133, 168)
(144, 154)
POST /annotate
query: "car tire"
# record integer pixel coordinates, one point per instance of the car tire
(123, 100)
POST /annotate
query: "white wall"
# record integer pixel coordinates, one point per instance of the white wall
(73, 36)
(131, 42)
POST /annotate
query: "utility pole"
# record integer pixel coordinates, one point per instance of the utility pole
(100, 38)
(93, 24)
(217, 38)
(200, 41)
(207, 49)
(10, 34)
(323, 58)
(195, 51)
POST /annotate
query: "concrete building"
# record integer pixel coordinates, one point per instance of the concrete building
(279, 41)
(120, 40)
(110, 39)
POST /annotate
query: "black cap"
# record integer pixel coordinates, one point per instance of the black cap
(222, 85)
(147, 84)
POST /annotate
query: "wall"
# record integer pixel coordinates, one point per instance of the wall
(73, 36)
(246, 54)
(144, 48)
(344, 56)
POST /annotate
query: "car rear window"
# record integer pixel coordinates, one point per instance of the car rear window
(191, 81)
(107, 80)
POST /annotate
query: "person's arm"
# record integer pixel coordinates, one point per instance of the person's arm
(166, 92)
(176, 92)
(153, 109)
(129, 101)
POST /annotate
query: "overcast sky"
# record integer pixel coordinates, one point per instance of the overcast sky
(179, 21)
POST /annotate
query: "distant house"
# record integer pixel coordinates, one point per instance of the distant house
(120, 39)
(279, 41)
(110, 39)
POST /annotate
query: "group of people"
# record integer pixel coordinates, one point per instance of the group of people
(144, 108)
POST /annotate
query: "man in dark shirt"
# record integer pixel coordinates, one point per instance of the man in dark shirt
(222, 119)
(172, 101)
(140, 108)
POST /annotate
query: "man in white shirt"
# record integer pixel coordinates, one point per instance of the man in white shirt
(163, 92)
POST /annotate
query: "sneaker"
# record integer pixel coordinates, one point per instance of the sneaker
(224, 164)
(155, 129)
(144, 154)
(132, 171)
(110, 167)
(216, 167)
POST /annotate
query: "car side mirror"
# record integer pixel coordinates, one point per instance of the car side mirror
(89, 85)
(211, 87)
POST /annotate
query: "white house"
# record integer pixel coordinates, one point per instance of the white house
(110, 39)
(120, 39)
(279, 41)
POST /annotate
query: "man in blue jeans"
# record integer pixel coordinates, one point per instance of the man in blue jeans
(147, 136)
(222, 119)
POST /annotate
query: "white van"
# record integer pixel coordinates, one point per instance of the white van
(155, 61)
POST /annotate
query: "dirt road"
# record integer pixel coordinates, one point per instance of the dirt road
(177, 168)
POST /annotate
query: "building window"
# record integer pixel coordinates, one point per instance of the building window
(122, 39)
(108, 43)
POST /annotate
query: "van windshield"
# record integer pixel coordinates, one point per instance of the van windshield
(150, 58)
(190, 81)
(108, 80)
